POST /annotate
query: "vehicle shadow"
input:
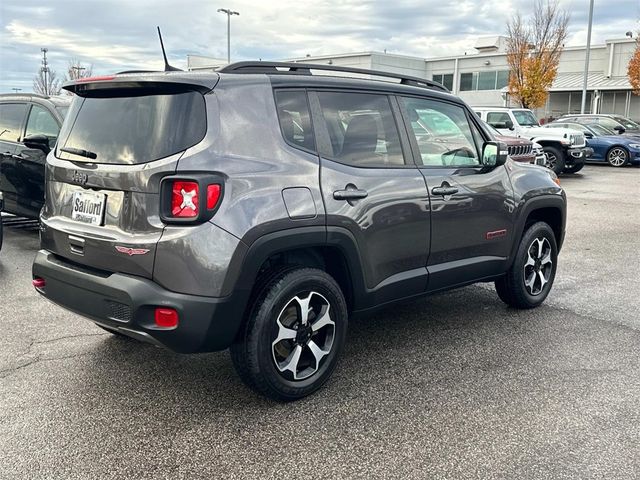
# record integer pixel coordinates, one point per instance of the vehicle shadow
(407, 347)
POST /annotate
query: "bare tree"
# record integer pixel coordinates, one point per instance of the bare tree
(46, 82)
(533, 52)
(76, 70)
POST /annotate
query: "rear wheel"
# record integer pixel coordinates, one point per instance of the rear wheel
(531, 276)
(293, 335)
(617, 157)
(555, 159)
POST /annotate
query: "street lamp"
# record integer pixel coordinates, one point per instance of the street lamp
(228, 12)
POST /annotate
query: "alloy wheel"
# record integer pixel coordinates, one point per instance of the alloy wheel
(304, 336)
(617, 157)
(550, 160)
(538, 267)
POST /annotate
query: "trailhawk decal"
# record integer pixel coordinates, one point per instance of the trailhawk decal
(496, 234)
(132, 251)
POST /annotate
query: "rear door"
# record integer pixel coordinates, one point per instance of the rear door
(471, 206)
(12, 117)
(372, 188)
(103, 182)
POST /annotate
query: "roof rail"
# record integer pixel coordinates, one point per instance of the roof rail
(293, 68)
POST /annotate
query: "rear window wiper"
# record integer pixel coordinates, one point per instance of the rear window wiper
(79, 151)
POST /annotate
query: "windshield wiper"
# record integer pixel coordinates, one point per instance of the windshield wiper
(80, 151)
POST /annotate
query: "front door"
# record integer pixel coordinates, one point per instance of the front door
(30, 162)
(471, 205)
(372, 188)
(12, 116)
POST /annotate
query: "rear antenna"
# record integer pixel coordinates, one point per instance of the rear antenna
(167, 67)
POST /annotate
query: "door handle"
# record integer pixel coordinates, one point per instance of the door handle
(444, 191)
(350, 194)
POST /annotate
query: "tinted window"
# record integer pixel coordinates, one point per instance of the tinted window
(498, 119)
(443, 133)
(134, 129)
(361, 129)
(41, 122)
(295, 119)
(11, 118)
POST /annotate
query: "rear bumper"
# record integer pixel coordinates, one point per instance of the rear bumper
(126, 304)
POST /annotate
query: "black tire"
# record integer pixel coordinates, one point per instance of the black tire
(617, 156)
(575, 168)
(512, 288)
(255, 356)
(555, 159)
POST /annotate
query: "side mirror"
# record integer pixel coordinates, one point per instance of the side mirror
(494, 154)
(588, 135)
(37, 142)
(620, 129)
(508, 124)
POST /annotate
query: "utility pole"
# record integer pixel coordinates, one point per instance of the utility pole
(228, 12)
(16, 90)
(586, 60)
(45, 70)
(78, 71)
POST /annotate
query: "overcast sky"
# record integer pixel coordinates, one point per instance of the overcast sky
(114, 35)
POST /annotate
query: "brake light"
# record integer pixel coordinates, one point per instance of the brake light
(213, 195)
(96, 79)
(184, 199)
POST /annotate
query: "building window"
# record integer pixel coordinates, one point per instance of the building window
(495, 80)
(445, 79)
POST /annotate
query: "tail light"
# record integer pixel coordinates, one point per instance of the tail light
(190, 200)
(166, 318)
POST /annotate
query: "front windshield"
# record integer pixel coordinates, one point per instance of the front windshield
(525, 118)
(628, 124)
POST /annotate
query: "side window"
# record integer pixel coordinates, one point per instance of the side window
(295, 119)
(498, 119)
(443, 133)
(41, 122)
(11, 118)
(362, 130)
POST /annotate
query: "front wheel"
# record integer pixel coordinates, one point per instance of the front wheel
(555, 159)
(617, 157)
(293, 335)
(530, 278)
(576, 167)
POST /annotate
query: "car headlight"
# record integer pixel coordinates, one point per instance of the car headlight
(634, 145)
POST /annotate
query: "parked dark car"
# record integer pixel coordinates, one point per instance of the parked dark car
(616, 123)
(29, 127)
(617, 150)
(262, 206)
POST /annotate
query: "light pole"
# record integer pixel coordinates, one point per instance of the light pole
(586, 60)
(228, 12)
(45, 69)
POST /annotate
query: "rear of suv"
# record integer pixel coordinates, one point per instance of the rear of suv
(261, 207)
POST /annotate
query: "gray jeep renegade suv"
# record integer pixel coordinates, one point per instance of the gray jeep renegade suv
(262, 206)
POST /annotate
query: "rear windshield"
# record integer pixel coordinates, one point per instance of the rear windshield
(124, 128)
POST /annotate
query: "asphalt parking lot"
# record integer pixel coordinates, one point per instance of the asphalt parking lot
(454, 386)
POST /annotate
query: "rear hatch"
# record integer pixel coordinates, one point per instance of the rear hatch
(122, 135)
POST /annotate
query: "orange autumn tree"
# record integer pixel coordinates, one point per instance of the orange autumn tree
(533, 52)
(634, 69)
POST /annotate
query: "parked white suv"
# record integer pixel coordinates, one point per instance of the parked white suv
(564, 147)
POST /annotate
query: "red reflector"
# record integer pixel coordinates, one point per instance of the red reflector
(166, 318)
(184, 199)
(96, 79)
(38, 282)
(213, 195)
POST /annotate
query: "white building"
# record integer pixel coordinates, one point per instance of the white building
(481, 78)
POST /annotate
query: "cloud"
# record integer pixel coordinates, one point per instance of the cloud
(115, 35)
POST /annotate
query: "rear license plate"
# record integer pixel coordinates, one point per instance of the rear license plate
(88, 207)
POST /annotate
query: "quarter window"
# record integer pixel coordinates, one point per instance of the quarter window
(362, 129)
(295, 119)
(443, 133)
(41, 122)
(11, 118)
